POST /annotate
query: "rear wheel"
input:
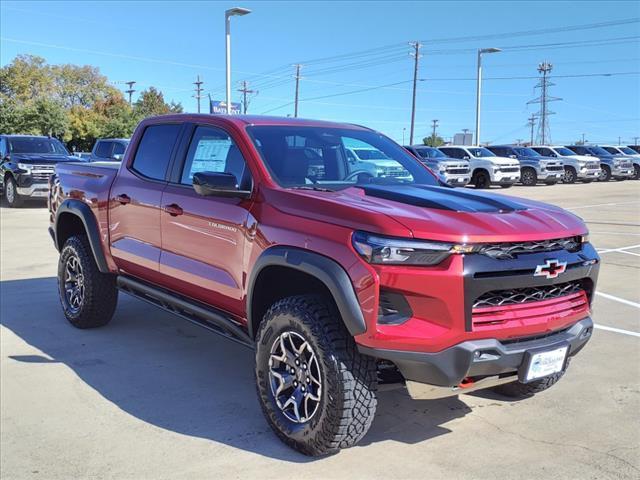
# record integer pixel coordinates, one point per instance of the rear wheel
(481, 179)
(570, 175)
(316, 391)
(529, 177)
(11, 195)
(524, 390)
(88, 297)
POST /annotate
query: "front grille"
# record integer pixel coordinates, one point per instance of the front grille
(509, 169)
(395, 172)
(41, 173)
(511, 250)
(593, 165)
(500, 298)
(457, 171)
(556, 304)
(555, 168)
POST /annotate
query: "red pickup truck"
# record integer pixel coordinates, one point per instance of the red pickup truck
(340, 277)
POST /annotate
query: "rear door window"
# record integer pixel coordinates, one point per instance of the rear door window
(154, 151)
(103, 149)
(118, 149)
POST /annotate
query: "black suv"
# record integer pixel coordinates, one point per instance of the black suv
(26, 163)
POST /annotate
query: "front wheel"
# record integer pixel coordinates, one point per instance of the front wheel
(529, 177)
(481, 180)
(570, 175)
(11, 195)
(88, 296)
(316, 390)
(605, 174)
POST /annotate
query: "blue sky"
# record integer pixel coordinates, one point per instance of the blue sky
(166, 44)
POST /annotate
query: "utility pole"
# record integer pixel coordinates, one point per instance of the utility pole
(635, 140)
(198, 83)
(245, 91)
(531, 123)
(544, 99)
(583, 140)
(416, 56)
(619, 140)
(297, 77)
(519, 141)
(130, 91)
(433, 132)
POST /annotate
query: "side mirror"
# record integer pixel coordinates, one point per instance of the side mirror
(117, 157)
(218, 184)
(466, 157)
(513, 156)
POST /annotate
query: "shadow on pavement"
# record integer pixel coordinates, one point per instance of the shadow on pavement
(179, 377)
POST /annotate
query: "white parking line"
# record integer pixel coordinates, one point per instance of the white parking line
(618, 299)
(619, 250)
(615, 233)
(601, 205)
(617, 330)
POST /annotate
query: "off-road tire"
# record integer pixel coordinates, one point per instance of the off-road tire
(100, 293)
(525, 390)
(570, 175)
(14, 200)
(481, 180)
(605, 176)
(348, 397)
(529, 177)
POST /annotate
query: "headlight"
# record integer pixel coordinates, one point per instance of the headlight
(584, 238)
(398, 251)
(25, 166)
(442, 170)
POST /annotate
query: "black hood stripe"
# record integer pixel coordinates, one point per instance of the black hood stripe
(442, 198)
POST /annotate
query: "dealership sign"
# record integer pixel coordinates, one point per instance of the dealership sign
(220, 107)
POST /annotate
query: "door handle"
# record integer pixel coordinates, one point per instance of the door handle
(123, 198)
(173, 210)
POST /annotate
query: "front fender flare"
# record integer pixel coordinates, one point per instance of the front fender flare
(327, 271)
(88, 219)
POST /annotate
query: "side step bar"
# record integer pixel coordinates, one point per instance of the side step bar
(205, 317)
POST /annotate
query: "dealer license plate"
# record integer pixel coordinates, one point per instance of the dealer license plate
(543, 364)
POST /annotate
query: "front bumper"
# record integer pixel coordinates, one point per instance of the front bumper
(622, 172)
(548, 175)
(480, 358)
(457, 180)
(35, 190)
(584, 173)
(505, 178)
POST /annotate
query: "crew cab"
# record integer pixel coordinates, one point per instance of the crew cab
(534, 168)
(617, 167)
(631, 154)
(486, 168)
(338, 279)
(108, 149)
(26, 163)
(456, 172)
(584, 168)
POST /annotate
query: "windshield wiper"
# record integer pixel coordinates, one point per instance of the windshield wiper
(317, 189)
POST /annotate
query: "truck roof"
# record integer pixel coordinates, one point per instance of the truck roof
(263, 120)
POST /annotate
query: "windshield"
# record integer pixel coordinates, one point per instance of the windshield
(430, 152)
(598, 151)
(481, 152)
(565, 152)
(526, 152)
(627, 151)
(366, 154)
(318, 158)
(36, 145)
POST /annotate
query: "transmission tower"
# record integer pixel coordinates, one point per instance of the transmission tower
(544, 99)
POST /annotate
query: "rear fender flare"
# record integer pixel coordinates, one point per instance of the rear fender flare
(88, 219)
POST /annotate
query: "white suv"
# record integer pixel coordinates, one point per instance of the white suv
(486, 168)
(576, 167)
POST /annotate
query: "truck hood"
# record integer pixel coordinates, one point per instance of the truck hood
(42, 158)
(583, 158)
(502, 161)
(434, 213)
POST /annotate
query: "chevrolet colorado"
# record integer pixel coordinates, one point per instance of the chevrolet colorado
(340, 280)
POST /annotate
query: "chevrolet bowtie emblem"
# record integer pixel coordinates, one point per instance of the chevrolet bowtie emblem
(550, 269)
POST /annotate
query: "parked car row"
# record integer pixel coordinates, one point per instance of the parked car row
(505, 165)
(27, 162)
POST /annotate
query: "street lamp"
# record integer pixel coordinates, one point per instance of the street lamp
(227, 23)
(479, 87)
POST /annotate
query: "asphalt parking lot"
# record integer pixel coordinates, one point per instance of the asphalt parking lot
(151, 396)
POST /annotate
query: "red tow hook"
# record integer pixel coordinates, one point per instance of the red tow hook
(466, 382)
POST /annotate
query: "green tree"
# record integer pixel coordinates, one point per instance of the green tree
(25, 79)
(151, 102)
(433, 141)
(45, 117)
(83, 86)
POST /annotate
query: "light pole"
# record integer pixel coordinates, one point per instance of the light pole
(227, 24)
(479, 88)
